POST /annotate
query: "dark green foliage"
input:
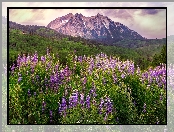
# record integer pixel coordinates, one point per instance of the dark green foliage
(160, 58)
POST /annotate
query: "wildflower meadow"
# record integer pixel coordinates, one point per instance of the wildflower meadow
(96, 89)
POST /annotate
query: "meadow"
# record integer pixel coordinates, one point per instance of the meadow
(93, 89)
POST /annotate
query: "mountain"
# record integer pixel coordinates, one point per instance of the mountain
(97, 27)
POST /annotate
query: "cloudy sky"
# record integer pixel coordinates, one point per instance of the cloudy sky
(150, 23)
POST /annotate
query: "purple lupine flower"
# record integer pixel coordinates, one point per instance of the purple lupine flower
(117, 119)
(80, 59)
(51, 115)
(157, 79)
(19, 79)
(48, 65)
(144, 107)
(93, 91)
(88, 101)
(66, 92)
(32, 70)
(43, 106)
(106, 116)
(101, 105)
(114, 78)
(82, 99)
(35, 57)
(56, 68)
(61, 75)
(24, 59)
(150, 79)
(43, 59)
(131, 69)
(63, 106)
(138, 70)
(123, 66)
(66, 71)
(104, 81)
(84, 80)
(13, 68)
(48, 51)
(37, 77)
(135, 103)
(33, 81)
(19, 60)
(19, 74)
(91, 66)
(164, 80)
(34, 93)
(161, 97)
(29, 94)
(52, 79)
(28, 58)
(146, 75)
(122, 75)
(109, 106)
(73, 100)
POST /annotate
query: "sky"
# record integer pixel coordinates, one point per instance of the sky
(150, 23)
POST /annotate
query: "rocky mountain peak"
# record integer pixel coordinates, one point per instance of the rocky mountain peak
(99, 15)
(96, 27)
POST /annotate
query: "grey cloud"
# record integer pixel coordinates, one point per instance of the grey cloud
(151, 11)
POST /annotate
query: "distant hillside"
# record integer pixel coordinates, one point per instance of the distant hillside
(20, 43)
(50, 33)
